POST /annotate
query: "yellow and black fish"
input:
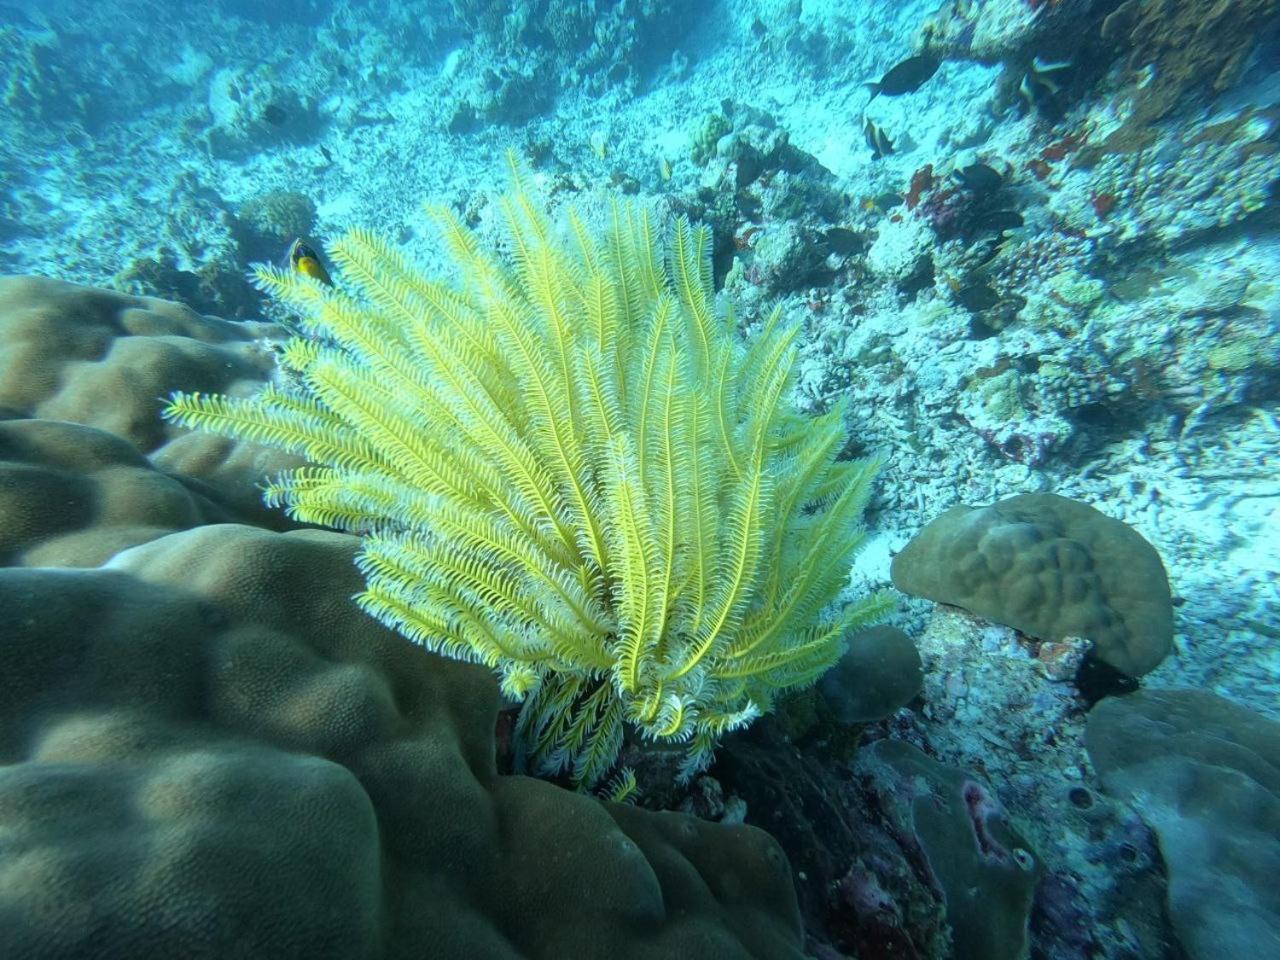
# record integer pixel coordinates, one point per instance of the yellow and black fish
(884, 202)
(1041, 80)
(303, 258)
(877, 139)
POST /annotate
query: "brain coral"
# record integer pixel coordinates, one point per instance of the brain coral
(105, 360)
(1051, 568)
(206, 750)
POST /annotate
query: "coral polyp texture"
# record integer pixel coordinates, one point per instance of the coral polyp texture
(1204, 773)
(330, 791)
(571, 468)
(104, 360)
(1051, 568)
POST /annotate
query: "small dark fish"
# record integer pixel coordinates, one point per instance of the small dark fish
(883, 202)
(907, 77)
(977, 297)
(998, 220)
(324, 152)
(979, 177)
(877, 139)
(303, 259)
(844, 241)
(275, 114)
(992, 250)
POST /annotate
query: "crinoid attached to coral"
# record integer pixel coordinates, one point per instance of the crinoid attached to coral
(571, 468)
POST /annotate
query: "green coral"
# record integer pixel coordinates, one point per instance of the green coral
(1242, 353)
(706, 135)
(268, 222)
(569, 468)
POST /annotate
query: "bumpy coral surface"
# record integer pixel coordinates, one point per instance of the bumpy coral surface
(1052, 568)
(209, 751)
(106, 360)
(1205, 774)
(74, 496)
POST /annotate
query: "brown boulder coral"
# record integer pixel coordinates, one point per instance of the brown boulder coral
(1051, 568)
(105, 360)
(209, 751)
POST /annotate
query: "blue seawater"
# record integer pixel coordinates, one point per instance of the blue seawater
(1029, 249)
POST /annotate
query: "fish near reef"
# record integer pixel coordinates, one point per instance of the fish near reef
(977, 296)
(1040, 81)
(907, 77)
(882, 203)
(979, 177)
(877, 139)
(303, 259)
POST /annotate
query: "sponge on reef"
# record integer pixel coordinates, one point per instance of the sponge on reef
(984, 869)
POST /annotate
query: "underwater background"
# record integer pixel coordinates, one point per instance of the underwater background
(1028, 250)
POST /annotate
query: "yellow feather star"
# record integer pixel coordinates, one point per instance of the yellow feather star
(570, 468)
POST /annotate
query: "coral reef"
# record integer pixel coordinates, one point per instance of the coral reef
(1051, 568)
(772, 206)
(570, 470)
(1102, 323)
(879, 673)
(242, 762)
(896, 854)
(984, 869)
(267, 223)
(1180, 48)
(999, 29)
(213, 287)
(305, 801)
(1010, 710)
(33, 83)
(108, 497)
(105, 360)
(1205, 774)
(256, 107)
(588, 44)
